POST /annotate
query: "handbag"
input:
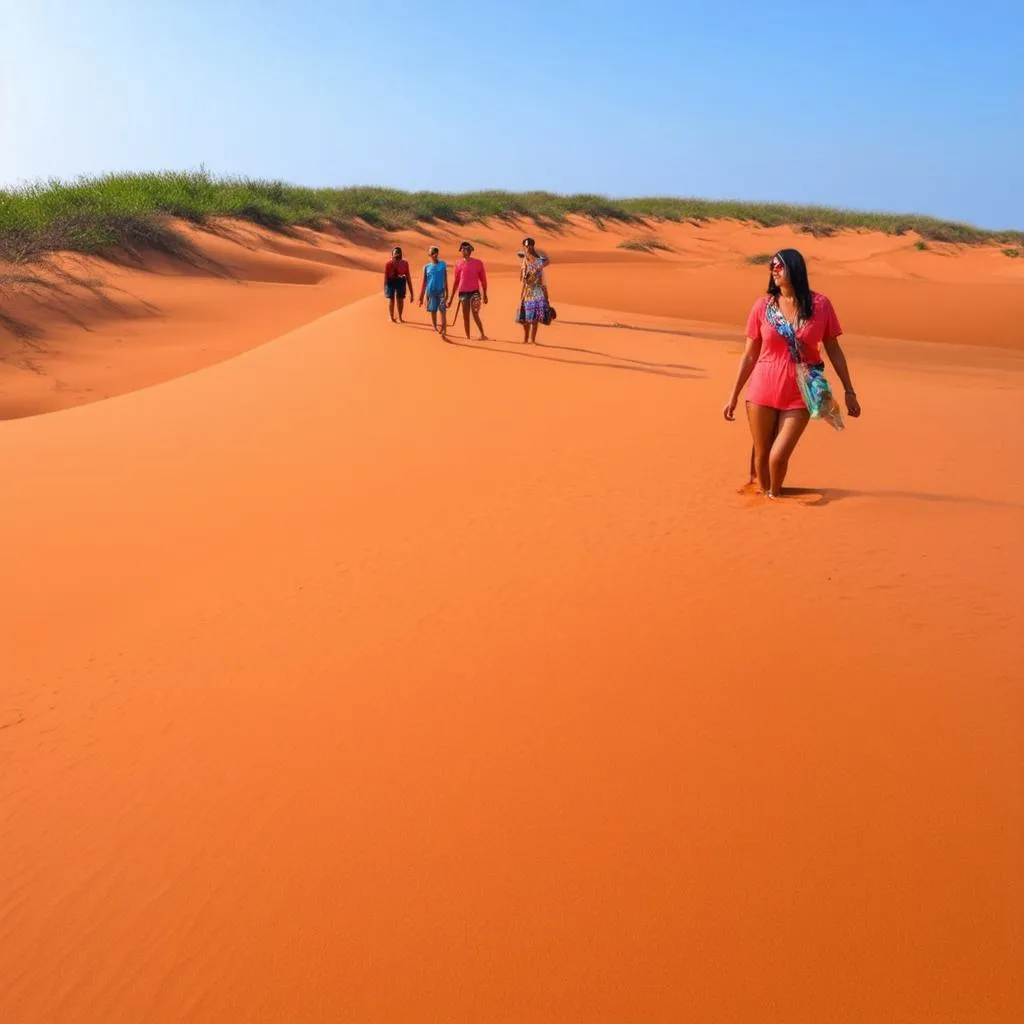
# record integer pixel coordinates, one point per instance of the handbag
(810, 377)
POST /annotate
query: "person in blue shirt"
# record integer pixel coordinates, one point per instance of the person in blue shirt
(435, 288)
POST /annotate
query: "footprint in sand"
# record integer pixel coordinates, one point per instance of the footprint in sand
(9, 718)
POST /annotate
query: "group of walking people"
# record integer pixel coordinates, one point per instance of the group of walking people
(468, 289)
(781, 366)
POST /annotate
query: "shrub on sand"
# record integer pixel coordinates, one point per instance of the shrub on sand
(644, 245)
(817, 230)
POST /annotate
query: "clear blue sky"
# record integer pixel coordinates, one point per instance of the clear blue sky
(909, 105)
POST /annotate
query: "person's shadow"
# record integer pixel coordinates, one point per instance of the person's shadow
(827, 495)
(628, 359)
(615, 362)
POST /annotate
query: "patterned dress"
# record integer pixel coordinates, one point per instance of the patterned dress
(535, 305)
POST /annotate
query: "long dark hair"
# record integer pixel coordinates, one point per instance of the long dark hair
(796, 270)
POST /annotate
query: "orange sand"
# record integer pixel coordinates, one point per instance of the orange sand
(363, 678)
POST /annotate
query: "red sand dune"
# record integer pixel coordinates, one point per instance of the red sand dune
(361, 677)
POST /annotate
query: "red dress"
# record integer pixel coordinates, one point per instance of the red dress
(773, 382)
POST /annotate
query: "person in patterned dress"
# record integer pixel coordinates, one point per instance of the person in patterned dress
(533, 306)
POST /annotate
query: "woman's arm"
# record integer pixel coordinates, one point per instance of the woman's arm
(837, 357)
(423, 285)
(747, 362)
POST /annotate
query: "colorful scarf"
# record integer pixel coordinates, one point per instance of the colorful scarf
(810, 377)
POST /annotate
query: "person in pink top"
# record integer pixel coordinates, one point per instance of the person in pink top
(775, 406)
(470, 284)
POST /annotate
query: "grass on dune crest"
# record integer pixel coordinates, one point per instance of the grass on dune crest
(132, 210)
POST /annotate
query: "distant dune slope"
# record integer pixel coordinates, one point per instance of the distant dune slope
(75, 329)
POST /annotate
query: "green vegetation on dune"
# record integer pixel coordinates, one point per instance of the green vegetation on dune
(132, 210)
(645, 245)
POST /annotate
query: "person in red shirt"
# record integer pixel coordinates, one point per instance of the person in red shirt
(786, 330)
(396, 280)
(470, 284)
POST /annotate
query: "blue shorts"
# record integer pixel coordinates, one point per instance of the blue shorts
(394, 287)
(435, 302)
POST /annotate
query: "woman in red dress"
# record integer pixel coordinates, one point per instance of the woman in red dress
(775, 406)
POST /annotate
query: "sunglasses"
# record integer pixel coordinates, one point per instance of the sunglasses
(777, 264)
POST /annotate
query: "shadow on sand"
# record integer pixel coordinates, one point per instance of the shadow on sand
(539, 350)
(628, 359)
(702, 335)
(62, 294)
(828, 495)
(615, 362)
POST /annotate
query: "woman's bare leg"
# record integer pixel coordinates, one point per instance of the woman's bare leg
(763, 422)
(444, 322)
(533, 331)
(526, 332)
(753, 465)
(792, 423)
(391, 307)
(401, 306)
(465, 314)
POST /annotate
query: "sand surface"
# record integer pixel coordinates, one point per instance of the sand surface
(352, 676)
